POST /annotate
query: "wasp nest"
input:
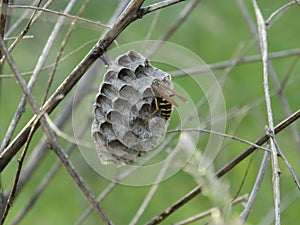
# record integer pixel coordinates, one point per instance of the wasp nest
(127, 123)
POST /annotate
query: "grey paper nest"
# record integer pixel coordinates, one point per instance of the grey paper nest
(120, 131)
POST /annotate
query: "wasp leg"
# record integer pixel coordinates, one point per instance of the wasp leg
(155, 111)
(156, 107)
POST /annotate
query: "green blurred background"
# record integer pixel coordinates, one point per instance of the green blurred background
(216, 31)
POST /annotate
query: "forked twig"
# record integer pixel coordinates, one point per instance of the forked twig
(206, 213)
(130, 14)
(281, 126)
(46, 179)
(13, 191)
(289, 166)
(262, 33)
(17, 115)
(62, 47)
(190, 71)
(23, 32)
(94, 54)
(283, 98)
(36, 72)
(280, 11)
(52, 139)
(51, 103)
(239, 61)
(222, 135)
(77, 18)
(159, 5)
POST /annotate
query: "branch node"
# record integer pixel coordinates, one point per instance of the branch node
(279, 172)
(269, 132)
(142, 11)
(99, 49)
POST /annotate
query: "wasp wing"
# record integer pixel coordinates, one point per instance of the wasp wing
(182, 98)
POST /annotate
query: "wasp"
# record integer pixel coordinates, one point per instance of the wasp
(164, 99)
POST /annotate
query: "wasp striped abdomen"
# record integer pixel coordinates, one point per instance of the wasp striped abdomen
(163, 98)
(165, 107)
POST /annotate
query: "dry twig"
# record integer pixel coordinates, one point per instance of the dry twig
(281, 126)
(262, 31)
(52, 139)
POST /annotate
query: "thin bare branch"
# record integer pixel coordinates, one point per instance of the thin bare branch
(52, 139)
(190, 71)
(159, 5)
(288, 75)
(128, 16)
(262, 33)
(14, 38)
(3, 24)
(40, 151)
(202, 215)
(3, 16)
(239, 61)
(97, 52)
(245, 174)
(220, 134)
(289, 166)
(13, 191)
(61, 50)
(258, 181)
(288, 199)
(186, 11)
(272, 72)
(65, 136)
(42, 147)
(22, 34)
(281, 126)
(25, 15)
(46, 179)
(279, 12)
(36, 72)
(64, 14)
(152, 190)
(33, 18)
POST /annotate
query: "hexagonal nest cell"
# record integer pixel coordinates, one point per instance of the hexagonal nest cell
(124, 126)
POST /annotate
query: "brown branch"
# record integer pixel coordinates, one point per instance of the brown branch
(13, 191)
(281, 126)
(61, 50)
(14, 122)
(52, 138)
(46, 179)
(3, 16)
(208, 212)
(130, 14)
(191, 71)
(23, 32)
